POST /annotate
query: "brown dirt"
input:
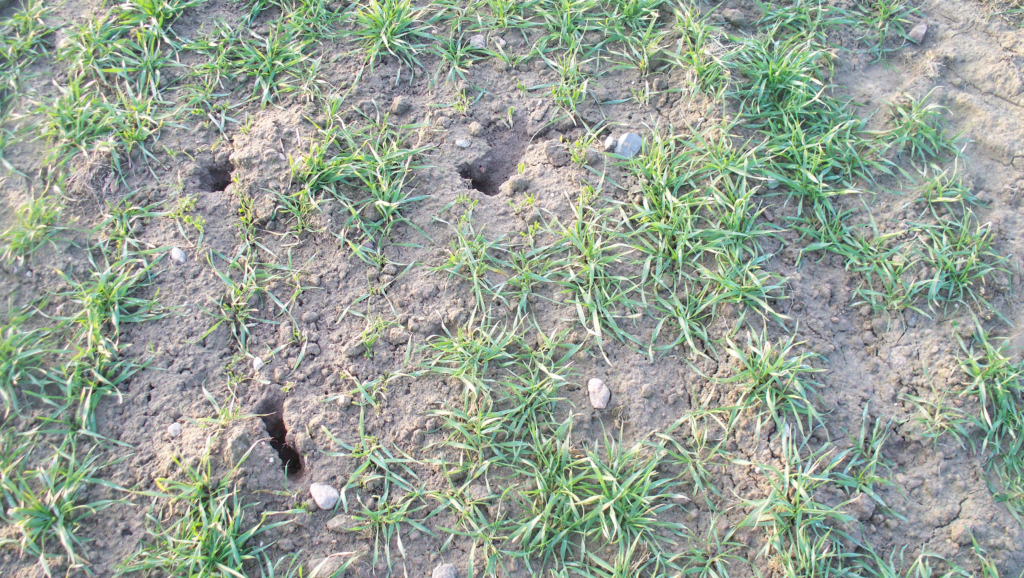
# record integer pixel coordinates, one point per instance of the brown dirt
(971, 55)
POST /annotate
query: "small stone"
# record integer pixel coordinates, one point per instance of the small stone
(327, 567)
(445, 571)
(609, 144)
(917, 32)
(646, 391)
(557, 154)
(518, 184)
(257, 363)
(476, 129)
(629, 145)
(236, 449)
(478, 41)
(462, 143)
(400, 105)
(340, 524)
(960, 532)
(355, 348)
(174, 430)
(862, 507)
(177, 256)
(370, 214)
(325, 496)
(772, 184)
(599, 393)
(418, 437)
(735, 17)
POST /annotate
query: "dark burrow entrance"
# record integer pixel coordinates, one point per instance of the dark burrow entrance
(272, 413)
(486, 173)
(217, 177)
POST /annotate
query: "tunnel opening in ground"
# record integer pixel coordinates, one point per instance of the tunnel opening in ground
(487, 172)
(217, 177)
(273, 420)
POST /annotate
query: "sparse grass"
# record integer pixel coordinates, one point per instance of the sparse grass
(394, 27)
(995, 381)
(33, 226)
(960, 261)
(198, 526)
(801, 532)
(918, 130)
(775, 379)
(885, 24)
(23, 350)
(368, 170)
(47, 504)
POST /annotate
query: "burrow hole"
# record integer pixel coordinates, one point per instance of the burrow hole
(217, 177)
(272, 412)
(486, 173)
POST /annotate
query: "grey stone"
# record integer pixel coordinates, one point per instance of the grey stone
(609, 144)
(236, 449)
(629, 145)
(917, 32)
(862, 507)
(557, 154)
(341, 523)
(478, 41)
(735, 17)
(177, 256)
(599, 393)
(462, 143)
(401, 105)
(518, 184)
(325, 496)
(355, 348)
(174, 430)
(328, 567)
(445, 571)
(257, 363)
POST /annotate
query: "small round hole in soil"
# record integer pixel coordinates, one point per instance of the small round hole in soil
(487, 172)
(217, 177)
(273, 419)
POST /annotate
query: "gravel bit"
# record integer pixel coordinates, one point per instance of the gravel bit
(325, 496)
(599, 393)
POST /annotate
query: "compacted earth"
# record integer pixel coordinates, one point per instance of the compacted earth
(468, 288)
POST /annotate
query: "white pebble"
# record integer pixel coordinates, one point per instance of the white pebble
(257, 363)
(325, 496)
(174, 430)
(177, 256)
(462, 143)
(599, 393)
(478, 41)
(917, 32)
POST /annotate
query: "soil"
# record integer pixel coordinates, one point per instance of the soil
(971, 58)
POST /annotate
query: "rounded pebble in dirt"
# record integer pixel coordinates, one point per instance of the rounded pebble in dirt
(177, 256)
(629, 145)
(325, 496)
(445, 571)
(462, 143)
(257, 363)
(478, 41)
(609, 144)
(174, 430)
(917, 32)
(599, 393)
